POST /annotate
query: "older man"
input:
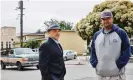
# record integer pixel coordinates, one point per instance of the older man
(51, 61)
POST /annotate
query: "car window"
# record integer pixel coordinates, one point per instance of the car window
(18, 51)
(11, 52)
(11, 55)
(70, 52)
(67, 53)
(23, 51)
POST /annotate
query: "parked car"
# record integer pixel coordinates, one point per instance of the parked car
(69, 54)
(84, 54)
(36, 50)
(20, 57)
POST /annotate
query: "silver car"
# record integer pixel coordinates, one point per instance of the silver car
(69, 54)
(36, 50)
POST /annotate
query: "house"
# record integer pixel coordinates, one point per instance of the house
(29, 36)
(70, 40)
(8, 34)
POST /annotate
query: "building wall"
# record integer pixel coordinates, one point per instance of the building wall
(7, 34)
(33, 37)
(70, 40)
(29, 37)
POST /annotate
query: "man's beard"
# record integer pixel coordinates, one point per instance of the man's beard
(56, 37)
(107, 25)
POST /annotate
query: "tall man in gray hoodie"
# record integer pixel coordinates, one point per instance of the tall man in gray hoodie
(110, 50)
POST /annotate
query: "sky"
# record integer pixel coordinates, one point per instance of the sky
(38, 11)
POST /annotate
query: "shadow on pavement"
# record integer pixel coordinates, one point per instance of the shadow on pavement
(25, 69)
(87, 78)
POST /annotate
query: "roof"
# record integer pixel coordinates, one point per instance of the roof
(31, 34)
(8, 27)
(41, 38)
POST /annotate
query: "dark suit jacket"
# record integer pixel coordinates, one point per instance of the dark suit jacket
(51, 60)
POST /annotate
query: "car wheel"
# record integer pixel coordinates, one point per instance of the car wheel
(37, 66)
(3, 66)
(65, 58)
(19, 66)
(75, 56)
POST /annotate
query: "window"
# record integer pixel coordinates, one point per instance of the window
(21, 51)
(11, 52)
(6, 44)
(1, 45)
(67, 53)
(25, 37)
(9, 44)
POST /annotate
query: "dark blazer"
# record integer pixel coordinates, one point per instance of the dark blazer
(51, 61)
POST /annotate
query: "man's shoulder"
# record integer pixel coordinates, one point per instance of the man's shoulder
(44, 44)
(98, 32)
(121, 31)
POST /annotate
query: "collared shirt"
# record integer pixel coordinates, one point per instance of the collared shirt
(58, 43)
(107, 31)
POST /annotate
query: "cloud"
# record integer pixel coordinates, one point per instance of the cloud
(38, 11)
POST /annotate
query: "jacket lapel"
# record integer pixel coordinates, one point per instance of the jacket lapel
(56, 46)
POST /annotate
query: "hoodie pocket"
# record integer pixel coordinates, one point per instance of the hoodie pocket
(107, 68)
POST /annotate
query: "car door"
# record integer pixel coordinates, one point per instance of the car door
(12, 57)
(67, 55)
(71, 55)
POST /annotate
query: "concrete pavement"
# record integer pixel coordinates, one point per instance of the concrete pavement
(75, 71)
(84, 70)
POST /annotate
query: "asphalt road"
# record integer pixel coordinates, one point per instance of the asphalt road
(84, 71)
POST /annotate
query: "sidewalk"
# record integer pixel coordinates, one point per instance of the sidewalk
(84, 70)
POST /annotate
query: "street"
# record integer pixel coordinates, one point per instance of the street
(75, 71)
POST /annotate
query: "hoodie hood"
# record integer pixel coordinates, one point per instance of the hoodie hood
(114, 28)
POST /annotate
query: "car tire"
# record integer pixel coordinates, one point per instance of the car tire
(3, 66)
(37, 66)
(75, 56)
(65, 58)
(19, 66)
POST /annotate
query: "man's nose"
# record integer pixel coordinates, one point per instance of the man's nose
(105, 21)
(58, 33)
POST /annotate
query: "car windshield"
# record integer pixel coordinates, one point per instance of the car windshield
(20, 51)
(65, 51)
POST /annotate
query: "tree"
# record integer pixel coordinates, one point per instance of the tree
(123, 17)
(63, 24)
(32, 44)
(38, 31)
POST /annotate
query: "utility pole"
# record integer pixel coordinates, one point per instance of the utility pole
(21, 21)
